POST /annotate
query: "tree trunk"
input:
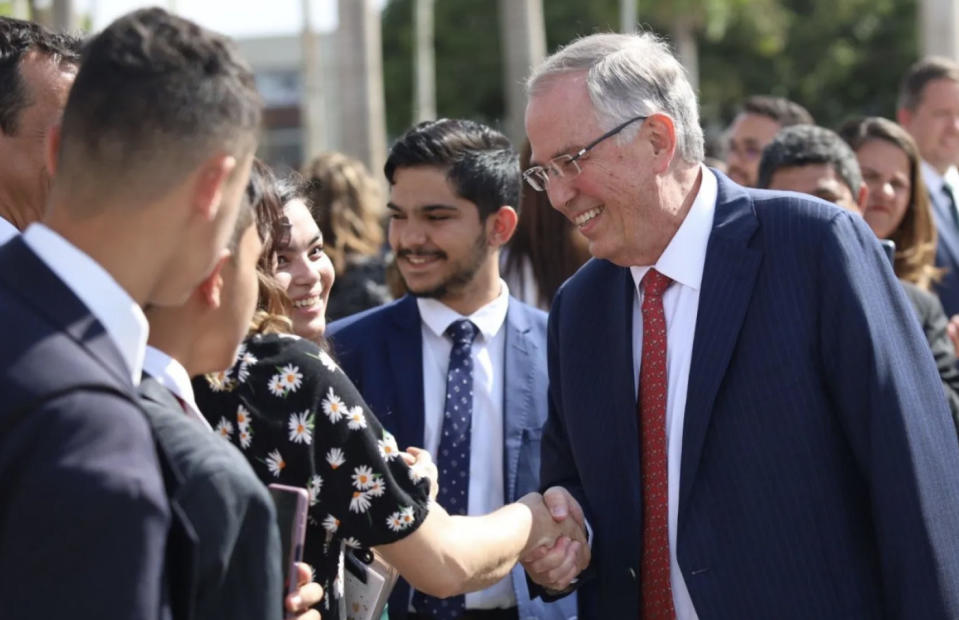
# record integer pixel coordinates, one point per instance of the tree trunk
(523, 35)
(628, 17)
(360, 60)
(424, 62)
(687, 49)
(939, 28)
(312, 103)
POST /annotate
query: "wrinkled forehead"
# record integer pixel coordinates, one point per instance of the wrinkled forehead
(560, 117)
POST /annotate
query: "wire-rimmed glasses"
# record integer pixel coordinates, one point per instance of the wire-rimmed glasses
(568, 165)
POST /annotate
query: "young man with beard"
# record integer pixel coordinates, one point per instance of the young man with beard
(458, 365)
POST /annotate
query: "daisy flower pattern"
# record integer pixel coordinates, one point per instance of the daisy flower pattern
(355, 419)
(275, 463)
(331, 524)
(301, 427)
(276, 386)
(387, 447)
(360, 502)
(333, 407)
(316, 485)
(313, 429)
(246, 437)
(377, 487)
(362, 477)
(242, 417)
(327, 361)
(335, 458)
(225, 428)
(398, 521)
(291, 377)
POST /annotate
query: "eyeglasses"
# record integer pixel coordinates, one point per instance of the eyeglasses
(564, 166)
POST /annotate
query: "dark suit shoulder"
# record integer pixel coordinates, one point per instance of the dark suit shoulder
(372, 319)
(82, 504)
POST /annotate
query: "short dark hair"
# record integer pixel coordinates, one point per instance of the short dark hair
(921, 73)
(482, 165)
(155, 96)
(17, 39)
(801, 145)
(783, 111)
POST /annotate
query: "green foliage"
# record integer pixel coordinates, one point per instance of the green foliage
(836, 57)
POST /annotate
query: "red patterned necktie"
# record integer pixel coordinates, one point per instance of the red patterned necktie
(656, 593)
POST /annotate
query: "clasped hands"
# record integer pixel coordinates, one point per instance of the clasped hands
(557, 550)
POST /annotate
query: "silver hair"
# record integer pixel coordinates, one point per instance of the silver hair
(629, 75)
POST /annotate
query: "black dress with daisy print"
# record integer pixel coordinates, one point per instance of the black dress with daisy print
(300, 421)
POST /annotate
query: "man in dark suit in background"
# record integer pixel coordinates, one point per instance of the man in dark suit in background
(37, 68)
(452, 184)
(815, 160)
(928, 108)
(735, 380)
(143, 199)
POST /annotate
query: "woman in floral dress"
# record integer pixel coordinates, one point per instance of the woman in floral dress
(301, 422)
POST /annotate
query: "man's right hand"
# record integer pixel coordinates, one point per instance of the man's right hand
(554, 567)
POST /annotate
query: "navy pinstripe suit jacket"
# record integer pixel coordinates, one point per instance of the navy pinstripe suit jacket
(820, 468)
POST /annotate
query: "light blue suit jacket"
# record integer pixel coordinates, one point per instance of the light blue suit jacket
(381, 352)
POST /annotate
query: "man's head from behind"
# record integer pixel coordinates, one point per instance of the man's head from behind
(37, 68)
(754, 127)
(928, 108)
(813, 160)
(204, 333)
(453, 185)
(158, 132)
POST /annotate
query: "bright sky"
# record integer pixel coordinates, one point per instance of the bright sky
(236, 18)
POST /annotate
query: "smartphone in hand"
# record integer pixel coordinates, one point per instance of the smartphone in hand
(291, 507)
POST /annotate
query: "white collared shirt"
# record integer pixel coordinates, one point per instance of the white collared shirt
(7, 231)
(171, 374)
(486, 487)
(122, 318)
(683, 261)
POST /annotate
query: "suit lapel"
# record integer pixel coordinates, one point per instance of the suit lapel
(946, 227)
(405, 353)
(518, 383)
(28, 277)
(728, 278)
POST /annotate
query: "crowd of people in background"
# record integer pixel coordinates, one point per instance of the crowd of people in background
(589, 377)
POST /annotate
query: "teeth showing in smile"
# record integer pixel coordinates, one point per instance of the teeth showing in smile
(585, 217)
(418, 260)
(307, 302)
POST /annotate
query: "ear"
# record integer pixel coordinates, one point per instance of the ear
(211, 289)
(53, 148)
(862, 197)
(903, 116)
(208, 186)
(501, 225)
(662, 137)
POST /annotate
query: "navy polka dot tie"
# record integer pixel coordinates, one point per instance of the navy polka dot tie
(453, 459)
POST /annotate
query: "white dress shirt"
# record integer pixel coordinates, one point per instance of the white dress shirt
(173, 376)
(486, 487)
(683, 261)
(122, 318)
(7, 231)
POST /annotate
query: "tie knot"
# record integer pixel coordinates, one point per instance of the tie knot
(655, 283)
(462, 331)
